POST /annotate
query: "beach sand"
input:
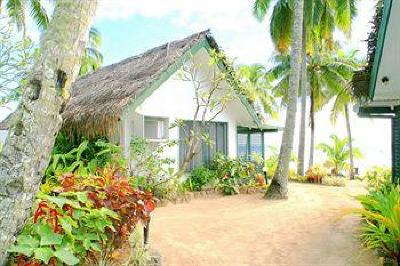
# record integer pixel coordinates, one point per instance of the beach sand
(307, 229)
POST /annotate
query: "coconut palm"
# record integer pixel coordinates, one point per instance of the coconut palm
(16, 10)
(338, 153)
(278, 188)
(257, 88)
(39, 118)
(321, 18)
(342, 98)
(328, 73)
(92, 58)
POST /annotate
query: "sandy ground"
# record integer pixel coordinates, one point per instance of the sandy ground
(307, 229)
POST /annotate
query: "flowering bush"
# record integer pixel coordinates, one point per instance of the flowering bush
(316, 174)
(234, 173)
(83, 219)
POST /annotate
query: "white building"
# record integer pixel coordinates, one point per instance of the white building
(143, 95)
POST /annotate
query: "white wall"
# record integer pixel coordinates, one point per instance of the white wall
(175, 99)
(389, 65)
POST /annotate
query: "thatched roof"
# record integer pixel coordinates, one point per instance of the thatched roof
(361, 78)
(98, 99)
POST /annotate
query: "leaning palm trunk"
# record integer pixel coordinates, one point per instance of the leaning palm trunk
(312, 133)
(27, 149)
(278, 188)
(346, 113)
(302, 135)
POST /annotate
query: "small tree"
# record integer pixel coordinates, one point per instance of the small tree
(214, 89)
(16, 56)
(338, 153)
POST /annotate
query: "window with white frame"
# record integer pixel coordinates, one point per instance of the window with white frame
(155, 128)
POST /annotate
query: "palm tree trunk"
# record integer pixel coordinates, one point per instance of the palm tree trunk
(347, 116)
(312, 126)
(27, 149)
(278, 188)
(302, 134)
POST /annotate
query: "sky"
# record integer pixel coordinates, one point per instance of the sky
(129, 27)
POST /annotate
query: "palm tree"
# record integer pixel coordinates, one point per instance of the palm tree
(321, 18)
(328, 73)
(342, 98)
(38, 118)
(278, 188)
(92, 58)
(16, 9)
(338, 153)
(256, 87)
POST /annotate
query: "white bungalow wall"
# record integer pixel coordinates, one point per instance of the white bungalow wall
(175, 99)
(388, 92)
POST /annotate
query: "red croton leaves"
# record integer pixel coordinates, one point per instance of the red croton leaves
(49, 214)
(111, 189)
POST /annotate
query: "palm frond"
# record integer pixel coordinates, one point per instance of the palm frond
(260, 9)
(281, 26)
(39, 14)
(15, 10)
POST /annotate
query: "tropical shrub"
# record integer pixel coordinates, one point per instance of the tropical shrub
(153, 171)
(377, 176)
(83, 157)
(233, 174)
(83, 219)
(316, 173)
(298, 178)
(381, 217)
(338, 153)
(336, 181)
(199, 177)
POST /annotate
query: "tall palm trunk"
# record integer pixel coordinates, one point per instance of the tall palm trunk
(278, 188)
(302, 135)
(312, 127)
(347, 116)
(26, 152)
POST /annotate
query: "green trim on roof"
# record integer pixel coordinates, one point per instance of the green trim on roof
(241, 129)
(387, 7)
(173, 68)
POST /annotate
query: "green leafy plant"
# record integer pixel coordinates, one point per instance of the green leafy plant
(199, 177)
(63, 229)
(82, 219)
(381, 216)
(338, 153)
(377, 176)
(233, 174)
(82, 158)
(299, 178)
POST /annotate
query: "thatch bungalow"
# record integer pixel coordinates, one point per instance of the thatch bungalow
(142, 96)
(377, 86)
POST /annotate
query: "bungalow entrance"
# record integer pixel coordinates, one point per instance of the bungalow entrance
(250, 141)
